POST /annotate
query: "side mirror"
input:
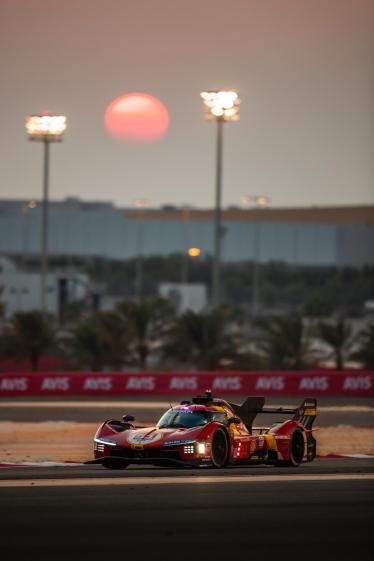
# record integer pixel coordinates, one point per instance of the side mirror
(128, 418)
(234, 420)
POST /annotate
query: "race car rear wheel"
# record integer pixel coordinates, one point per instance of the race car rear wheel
(220, 449)
(296, 450)
(115, 464)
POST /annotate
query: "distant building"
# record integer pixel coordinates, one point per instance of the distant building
(299, 236)
(20, 291)
(185, 297)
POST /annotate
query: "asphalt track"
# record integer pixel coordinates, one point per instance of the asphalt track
(331, 411)
(323, 510)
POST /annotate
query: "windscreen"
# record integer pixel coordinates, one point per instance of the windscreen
(185, 418)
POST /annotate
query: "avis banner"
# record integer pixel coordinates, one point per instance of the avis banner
(314, 383)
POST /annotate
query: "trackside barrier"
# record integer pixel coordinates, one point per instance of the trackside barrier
(315, 383)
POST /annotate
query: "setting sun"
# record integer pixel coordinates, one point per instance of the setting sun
(136, 116)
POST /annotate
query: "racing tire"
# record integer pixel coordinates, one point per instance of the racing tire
(296, 450)
(114, 464)
(220, 451)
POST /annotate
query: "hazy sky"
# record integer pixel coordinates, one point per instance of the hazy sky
(303, 69)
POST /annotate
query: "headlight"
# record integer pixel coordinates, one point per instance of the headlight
(108, 441)
(201, 447)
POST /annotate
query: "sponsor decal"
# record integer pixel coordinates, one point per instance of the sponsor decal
(140, 383)
(98, 383)
(357, 383)
(144, 437)
(183, 383)
(227, 383)
(61, 383)
(270, 383)
(314, 383)
(178, 442)
(14, 384)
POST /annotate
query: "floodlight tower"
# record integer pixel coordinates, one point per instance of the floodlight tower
(256, 201)
(220, 106)
(45, 128)
(25, 208)
(140, 205)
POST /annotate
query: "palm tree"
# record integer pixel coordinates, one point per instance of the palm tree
(337, 334)
(114, 336)
(201, 339)
(83, 347)
(285, 342)
(147, 322)
(30, 336)
(98, 343)
(75, 310)
(365, 352)
(6, 346)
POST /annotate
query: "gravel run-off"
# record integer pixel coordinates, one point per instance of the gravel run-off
(62, 441)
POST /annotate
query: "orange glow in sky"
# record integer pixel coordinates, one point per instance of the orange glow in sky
(136, 116)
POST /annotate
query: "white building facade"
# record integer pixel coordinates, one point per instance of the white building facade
(21, 291)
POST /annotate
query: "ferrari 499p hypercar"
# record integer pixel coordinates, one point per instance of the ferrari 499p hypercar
(209, 431)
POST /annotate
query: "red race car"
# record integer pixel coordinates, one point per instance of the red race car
(209, 431)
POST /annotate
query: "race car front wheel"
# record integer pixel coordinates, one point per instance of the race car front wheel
(220, 449)
(115, 464)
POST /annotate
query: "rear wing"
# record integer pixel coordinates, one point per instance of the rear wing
(253, 405)
(307, 412)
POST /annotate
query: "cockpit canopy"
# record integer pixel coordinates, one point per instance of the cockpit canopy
(188, 418)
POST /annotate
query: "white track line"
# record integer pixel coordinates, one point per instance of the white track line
(137, 481)
(52, 463)
(152, 405)
(44, 463)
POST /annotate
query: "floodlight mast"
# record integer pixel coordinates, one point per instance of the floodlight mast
(256, 201)
(45, 128)
(140, 205)
(220, 106)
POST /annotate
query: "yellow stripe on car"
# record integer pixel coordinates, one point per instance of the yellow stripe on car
(310, 412)
(271, 442)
